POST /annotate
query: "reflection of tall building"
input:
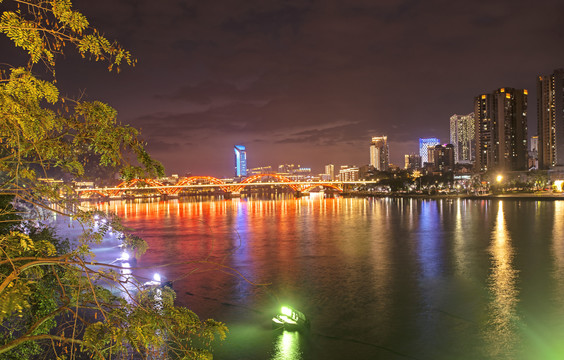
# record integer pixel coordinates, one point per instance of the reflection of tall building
(424, 145)
(240, 160)
(550, 116)
(462, 137)
(501, 130)
(379, 153)
(503, 289)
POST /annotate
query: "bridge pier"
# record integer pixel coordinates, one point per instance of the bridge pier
(233, 194)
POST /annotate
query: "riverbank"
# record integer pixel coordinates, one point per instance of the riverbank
(539, 196)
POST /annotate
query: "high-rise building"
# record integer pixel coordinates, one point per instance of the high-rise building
(349, 173)
(534, 152)
(240, 160)
(550, 116)
(412, 161)
(379, 153)
(462, 136)
(330, 171)
(260, 170)
(443, 157)
(424, 145)
(501, 130)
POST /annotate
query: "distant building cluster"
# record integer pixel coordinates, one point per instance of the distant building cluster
(495, 135)
(492, 137)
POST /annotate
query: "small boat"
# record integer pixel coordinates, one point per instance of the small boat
(290, 319)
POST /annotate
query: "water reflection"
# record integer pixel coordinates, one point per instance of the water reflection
(430, 240)
(461, 263)
(502, 328)
(287, 346)
(558, 247)
(424, 278)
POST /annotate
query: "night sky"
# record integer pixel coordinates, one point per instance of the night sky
(309, 82)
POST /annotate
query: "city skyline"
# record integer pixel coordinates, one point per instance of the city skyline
(309, 83)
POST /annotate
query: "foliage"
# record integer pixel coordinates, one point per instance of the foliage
(55, 299)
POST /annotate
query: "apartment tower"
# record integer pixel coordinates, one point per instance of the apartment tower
(501, 130)
(550, 117)
(463, 138)
(379, 153)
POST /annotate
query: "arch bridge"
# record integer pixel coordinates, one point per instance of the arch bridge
(192, 182)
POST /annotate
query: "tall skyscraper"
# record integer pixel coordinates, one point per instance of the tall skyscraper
(240, 160)
(412, 161)
(379, 153)
(534, 152)
(424, 145)
(550, 117)
(462, 136)
(443, 157)
(330, 171)
(501, 130)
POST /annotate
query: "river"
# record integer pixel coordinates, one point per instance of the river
(379, 278)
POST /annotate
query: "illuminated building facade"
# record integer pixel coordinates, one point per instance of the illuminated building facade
(240, 160)
(330, 172)
(443, 157)
(534, 152)
(260, 170)
(349, 173)
(462, 136)
(295, 172)
(501, 130)
(424, 145)
(412, 162)
(379, 153)
(550, 117)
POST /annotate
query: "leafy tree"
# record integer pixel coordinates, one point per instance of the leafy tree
(55, 300)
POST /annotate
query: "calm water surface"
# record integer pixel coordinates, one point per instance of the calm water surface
(379, 278)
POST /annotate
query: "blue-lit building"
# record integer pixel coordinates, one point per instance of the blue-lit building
(240, 160)
(424, 145)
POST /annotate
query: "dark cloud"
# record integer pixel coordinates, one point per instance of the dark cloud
(311, 81)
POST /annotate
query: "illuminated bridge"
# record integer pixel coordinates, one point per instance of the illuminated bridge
(155, 187)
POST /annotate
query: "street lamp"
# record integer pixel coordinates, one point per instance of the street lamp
(499, 178)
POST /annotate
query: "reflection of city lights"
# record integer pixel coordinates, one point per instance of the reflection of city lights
(502, 309)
